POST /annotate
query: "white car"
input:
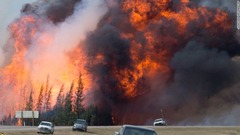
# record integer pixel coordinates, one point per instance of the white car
(135, 130)
(159, 122)
(45, 127)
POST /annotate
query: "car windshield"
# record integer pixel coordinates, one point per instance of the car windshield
(80, 121)
(158, 119)
(45, 123)
(138, 131)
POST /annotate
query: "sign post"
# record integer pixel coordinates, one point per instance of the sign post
(27, 114)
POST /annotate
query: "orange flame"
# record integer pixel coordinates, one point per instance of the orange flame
(19, 122)
(29, 71)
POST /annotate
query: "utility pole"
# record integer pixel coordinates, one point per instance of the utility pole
(238, 14)
(162, 113)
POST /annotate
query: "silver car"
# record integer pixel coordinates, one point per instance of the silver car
(80, 124)
(135, 130)
(45, 127)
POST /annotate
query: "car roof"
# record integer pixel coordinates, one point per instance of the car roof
(46, 122)
(81, 119)
(159, 119)
(140, 127)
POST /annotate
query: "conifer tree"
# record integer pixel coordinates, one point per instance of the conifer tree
(48, 99)
(29, 105)
(24, 98)
(60, 98)
(45, 98)
(40, 99)
(91, 113)
(79, 97)
(58, 108)
(68, 108)
(69, 99)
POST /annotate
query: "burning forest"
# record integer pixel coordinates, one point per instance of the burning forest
(136, 58)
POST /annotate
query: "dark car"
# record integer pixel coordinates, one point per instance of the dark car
(80, 124)
(135, 130)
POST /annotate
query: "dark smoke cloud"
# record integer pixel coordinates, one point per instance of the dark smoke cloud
(201, 62)
(55, 10)
(200, 74)
(208, 69)
(107, 42)
(204, 87)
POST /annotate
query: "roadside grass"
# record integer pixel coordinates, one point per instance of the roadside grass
(166, 130)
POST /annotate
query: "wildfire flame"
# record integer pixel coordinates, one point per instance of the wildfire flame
(157, 30)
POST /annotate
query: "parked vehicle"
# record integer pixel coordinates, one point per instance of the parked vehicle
(159, 122)
(45, 127)
(135, 130)
(80, 124)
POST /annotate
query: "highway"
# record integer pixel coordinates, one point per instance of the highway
(26, 128)
(8, 128)
(110, 130)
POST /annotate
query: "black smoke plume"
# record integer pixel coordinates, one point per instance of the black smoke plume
(201, 62)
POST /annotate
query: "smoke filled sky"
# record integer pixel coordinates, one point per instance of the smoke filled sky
(178, 56)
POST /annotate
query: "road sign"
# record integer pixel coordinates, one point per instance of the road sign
(27, 114)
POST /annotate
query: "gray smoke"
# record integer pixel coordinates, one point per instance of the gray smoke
(200, 74)
(229, 5)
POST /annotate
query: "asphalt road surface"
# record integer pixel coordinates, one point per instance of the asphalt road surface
(110, 130)
(26, 128)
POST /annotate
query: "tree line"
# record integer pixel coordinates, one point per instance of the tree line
(68, 107)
